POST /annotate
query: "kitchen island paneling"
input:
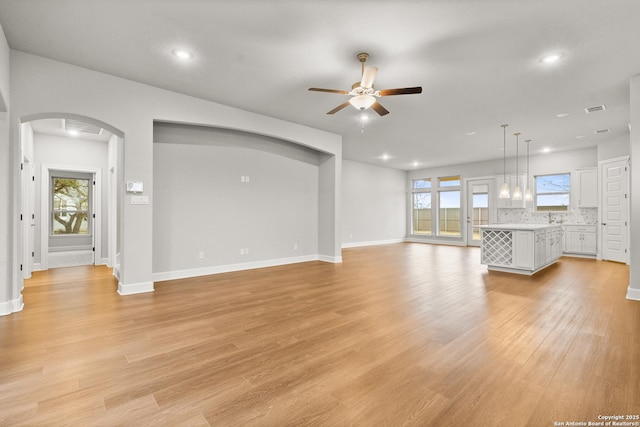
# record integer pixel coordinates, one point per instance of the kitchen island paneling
(520, 248)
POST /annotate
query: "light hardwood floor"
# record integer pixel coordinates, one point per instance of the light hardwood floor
(403, 334)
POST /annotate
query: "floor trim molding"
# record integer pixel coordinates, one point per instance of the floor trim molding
(633, 294)
(372, 243)
(134, 288)
(217, 269)
(11, 306)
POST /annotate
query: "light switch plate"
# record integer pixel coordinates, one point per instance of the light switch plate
(139, 200)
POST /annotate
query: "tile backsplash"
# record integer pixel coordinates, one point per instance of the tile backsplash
(526, 216)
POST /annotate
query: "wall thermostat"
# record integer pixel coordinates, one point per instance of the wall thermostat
(134, 187)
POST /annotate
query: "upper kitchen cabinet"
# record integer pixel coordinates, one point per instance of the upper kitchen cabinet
(585, 188)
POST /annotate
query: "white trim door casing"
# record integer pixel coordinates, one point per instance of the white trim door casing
(96, 210)
(477, 186)
(28, 216)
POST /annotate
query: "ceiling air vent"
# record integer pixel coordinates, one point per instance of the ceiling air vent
(603, 131)
(596, 108)
(70, 124)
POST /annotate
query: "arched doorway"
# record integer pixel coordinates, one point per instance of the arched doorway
(71, 192)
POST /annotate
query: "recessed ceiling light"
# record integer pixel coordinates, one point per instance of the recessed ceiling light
(73, 132)
(182, 54)
(580, 137)
(364, 117)
(550, 59)
(416, 164)
(385, 157)
(470, 133)
(561, 115)
(546, 150)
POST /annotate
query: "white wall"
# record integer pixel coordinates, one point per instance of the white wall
(202, 205)
(73, 153)
(4, 72)
(613, 148)
(373, 204)
(634, 223)
(539, 164)
(10, 297)
(41, 85)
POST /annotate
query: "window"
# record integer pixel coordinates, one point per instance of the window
(449, 181)
(449, 206)
(436, 208)
(421, 206)
(70, 212)
(421, 183)
(553, 192)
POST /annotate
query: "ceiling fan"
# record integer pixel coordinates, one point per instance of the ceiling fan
(363, 95)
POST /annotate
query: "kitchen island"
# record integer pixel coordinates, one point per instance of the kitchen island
(520, 248)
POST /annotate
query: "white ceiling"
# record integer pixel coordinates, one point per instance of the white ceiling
(57, 127)
(477, 61)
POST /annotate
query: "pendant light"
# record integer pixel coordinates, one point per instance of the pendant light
(504, 190)
(517, 194)
(528, 197)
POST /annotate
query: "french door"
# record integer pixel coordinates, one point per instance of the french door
(480, 207)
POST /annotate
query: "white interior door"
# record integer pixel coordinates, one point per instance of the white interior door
(479, 208)
(614, 206)
(28, 217)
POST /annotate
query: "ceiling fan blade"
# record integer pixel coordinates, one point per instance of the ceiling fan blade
(378, 108)
(401, 91)
(368, 75)
(338, 108)
(317, 89)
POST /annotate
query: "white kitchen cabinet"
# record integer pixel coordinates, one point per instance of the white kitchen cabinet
(520, 248)
(580, 239)
(523, 249)
(585, 188)
(513, 182)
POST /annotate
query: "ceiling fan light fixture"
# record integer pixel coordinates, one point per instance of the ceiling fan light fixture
(362, 102)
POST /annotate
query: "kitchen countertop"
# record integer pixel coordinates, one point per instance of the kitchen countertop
(519, 226)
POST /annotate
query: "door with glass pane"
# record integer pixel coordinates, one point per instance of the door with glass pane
(71, 220)
(479, 205)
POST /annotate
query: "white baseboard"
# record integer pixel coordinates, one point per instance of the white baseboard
(331, 259)
(134, 288)
(216, 269)
(11, 306)
(372, 243)
(435, 242)
(37, 266)
(633, 294)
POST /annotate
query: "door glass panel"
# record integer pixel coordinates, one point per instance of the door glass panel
(480, 213)
(70, 213)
